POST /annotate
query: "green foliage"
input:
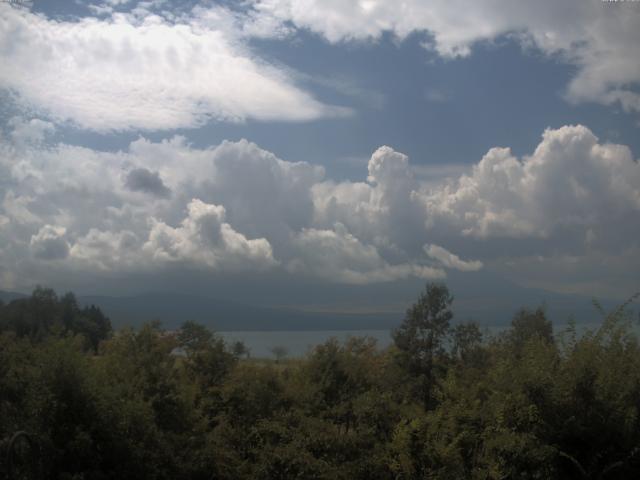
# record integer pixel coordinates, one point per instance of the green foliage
(44, 315)
(154, 404)
(421, 337)
(425, 327)
(528, 325)
(467, 343)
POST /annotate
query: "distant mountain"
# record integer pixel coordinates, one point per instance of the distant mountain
(489, 301)
(6, 297)
(492, 300)
(173, 309)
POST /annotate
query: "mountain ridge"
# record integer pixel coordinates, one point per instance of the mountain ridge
(489, 307)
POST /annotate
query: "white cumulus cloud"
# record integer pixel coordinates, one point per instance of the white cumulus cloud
(337, 255)
(451, 260)
(571, 183)
(204, 238)
(108, 251)
(383, 210)
(236, 207)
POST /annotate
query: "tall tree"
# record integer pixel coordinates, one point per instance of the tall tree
(527, 325)
(420, 338)
(466, 341)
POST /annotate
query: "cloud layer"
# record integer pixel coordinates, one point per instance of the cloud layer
(599, 38)
(165, 206)
(147, 72)
(148, 67)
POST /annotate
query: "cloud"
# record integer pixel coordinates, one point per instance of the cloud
(205, 239)
(598, 38)
(246, 209)
(28, 132)
(570, 184)
(337, 255)
(16, 208)
(382, 211)
(49, 243)
(236, 207)
(129, 72)
(108, 251)
(146, 181)
(450, 260)
(349, 87)
(263, 195)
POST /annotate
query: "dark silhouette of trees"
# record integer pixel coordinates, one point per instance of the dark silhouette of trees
(421, 336)
(279, 352)
(43, 314)
(530, 324)
(466, 342)
(156, 404)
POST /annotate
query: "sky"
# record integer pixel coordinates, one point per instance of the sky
(289, 151)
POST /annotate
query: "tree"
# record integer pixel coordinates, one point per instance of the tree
(279, 352)
(194, 337)
(240, 350)
(207, 357)
(527, 325)
(420, 337)
(467, 339)
(44, 315)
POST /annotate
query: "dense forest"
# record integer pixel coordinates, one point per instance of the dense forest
(444, 401)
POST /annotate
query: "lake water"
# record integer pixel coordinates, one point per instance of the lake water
(298, 343)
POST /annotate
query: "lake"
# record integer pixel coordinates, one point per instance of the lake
(298, 343)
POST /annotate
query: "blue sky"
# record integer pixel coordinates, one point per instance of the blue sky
(404, 96)
(316, 143)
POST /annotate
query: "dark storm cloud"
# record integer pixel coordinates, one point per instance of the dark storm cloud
(49, 243)
(146, 181)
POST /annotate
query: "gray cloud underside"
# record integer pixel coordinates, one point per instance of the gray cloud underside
(146, 181)
(238, 208)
